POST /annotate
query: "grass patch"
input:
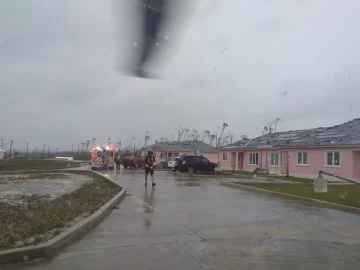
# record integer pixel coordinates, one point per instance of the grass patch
(348, 195)
(290, 178)
(40, 218)
(241, 172)
(18, 165)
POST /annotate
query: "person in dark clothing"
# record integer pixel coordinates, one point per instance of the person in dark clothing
(117, 161)
(149, 167)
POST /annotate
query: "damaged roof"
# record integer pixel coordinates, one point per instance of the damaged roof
(347, 134)
(184, 146)
(238, 144)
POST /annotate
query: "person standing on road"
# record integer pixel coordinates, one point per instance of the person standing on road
(149, 167)
(117, 161)
(105, 159)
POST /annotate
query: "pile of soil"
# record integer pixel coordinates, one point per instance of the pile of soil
(40, 219)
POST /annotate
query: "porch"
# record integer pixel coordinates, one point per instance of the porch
(237, 160)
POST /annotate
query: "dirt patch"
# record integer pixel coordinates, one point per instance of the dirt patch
(30, 176)
(41, 218)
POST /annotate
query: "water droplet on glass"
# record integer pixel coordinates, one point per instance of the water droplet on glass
(166, 37)
(135, 44)
(157, 44)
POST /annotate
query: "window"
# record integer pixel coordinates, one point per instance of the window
(276, 159)
(161, 155)
(224, 156)
(203, 160)
(302, 158)
(333, 159)
(254, 159)
(169, 155)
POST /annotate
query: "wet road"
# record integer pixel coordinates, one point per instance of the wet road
(200, 224)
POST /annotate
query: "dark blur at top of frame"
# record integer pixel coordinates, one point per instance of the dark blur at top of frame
(149, 31)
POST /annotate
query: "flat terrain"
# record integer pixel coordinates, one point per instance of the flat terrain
(18, 165)
(199, 224)
(38, 206)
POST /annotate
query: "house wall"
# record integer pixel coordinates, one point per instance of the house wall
(349, 162)
(356, 164)
(226, 164)
(213, 157)
(317, 161)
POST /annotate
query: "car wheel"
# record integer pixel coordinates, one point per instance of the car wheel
(190, 169)
(174, 169)
(125, 166)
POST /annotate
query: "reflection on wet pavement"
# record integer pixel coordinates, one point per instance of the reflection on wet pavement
(200, 224)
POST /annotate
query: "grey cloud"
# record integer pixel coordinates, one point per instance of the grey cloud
(60, 80)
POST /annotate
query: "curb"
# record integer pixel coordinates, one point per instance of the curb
(59, 241)
(330, 205)
(210, 176)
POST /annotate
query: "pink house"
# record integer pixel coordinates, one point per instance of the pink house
(163, 150)
(300, 153)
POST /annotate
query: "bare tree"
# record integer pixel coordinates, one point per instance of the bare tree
(118, 144)
(206, 134)
(222, 131)
(270, 126)
(275, 122)
(180, 131)
(147, 137)
(194, 136)
(133, 139)
(265, 130)
(211, 139)
(185, 133)
(244, 137)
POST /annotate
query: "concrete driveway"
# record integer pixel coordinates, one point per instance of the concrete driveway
(200, 224)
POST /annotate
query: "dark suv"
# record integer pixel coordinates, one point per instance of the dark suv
(193, 164)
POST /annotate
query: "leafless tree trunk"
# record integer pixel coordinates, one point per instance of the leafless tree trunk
(275, 122)
(180, 131)
(222, 131)
(211, 139)
(186, 132)
(206, 134)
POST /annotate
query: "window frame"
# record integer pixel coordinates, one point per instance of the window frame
(333, 159)
(302, 158)
(252, 159)
(279, 159)
(222, 156)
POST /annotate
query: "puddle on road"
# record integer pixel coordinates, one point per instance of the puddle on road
(192, 184)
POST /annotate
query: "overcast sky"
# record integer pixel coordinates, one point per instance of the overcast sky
(240, 62)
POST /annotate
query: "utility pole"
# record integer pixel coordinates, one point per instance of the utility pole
(11, 143)
(56, 152)
(27, 150)
(35, 151)
(44, 150)
(48, 151)
(2, 144)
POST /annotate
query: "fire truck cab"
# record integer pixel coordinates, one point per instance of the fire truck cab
(102, 157)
